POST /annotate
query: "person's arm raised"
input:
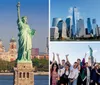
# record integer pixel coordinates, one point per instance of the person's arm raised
(67, 57)
(53, 58)
(85, 55)
(67, 61)
(58, 58)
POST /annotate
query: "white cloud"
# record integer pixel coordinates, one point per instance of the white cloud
(70, 10)
(78, 15)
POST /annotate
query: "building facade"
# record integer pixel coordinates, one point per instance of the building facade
(54, 33)
(80, 28)
(11, 54)
(89, 26)
(94, 26)
(74, 30)
(62, 29)
(68, 28)
(55, 22)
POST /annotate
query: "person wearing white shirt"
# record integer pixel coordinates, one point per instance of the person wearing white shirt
(88, 74)
(61, 71)
(73, 74)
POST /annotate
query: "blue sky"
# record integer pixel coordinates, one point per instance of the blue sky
(37, 13)
(86, 8)
(75, 50)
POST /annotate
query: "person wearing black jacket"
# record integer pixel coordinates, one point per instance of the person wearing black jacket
(98, 75)
(66, 74)
(94, 76)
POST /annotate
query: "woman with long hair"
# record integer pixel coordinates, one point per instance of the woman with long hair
(54, 74)
(66, 74)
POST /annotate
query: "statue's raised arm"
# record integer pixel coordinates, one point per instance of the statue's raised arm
(90, 48)
(18, 10)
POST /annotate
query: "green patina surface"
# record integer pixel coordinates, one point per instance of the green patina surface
(91, 51)
(25, 38)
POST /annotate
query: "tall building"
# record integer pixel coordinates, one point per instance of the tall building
(2, 49)
(12, 44)
(68, 28)
(86, 31)
(97, 30)
(62, 29)
(74, 23)
(12, 49)
(35, 51)
(94, 26)
(55, 22)
(47, 45)
(54, 34)
(89, 26)
(80, 28)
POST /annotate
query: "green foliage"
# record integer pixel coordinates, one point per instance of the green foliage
(6, 66)
(39, 64)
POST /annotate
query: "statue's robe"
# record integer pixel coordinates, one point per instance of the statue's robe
(25, 41)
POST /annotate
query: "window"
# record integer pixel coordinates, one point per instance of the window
(27, 75)
(24, 75)
(20, 75)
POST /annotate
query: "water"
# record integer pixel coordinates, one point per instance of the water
(39, 80)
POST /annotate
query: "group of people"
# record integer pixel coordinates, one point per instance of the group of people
(80, 73)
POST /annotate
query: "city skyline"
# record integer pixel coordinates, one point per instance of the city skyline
(74, 51)
(75, 27)
(31, 9)
(65, 10)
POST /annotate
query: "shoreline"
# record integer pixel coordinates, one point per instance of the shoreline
(35, 73)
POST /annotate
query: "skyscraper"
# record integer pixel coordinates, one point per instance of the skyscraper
(54, 34)
(68, 28)
(35, 51)
(74, 23)
(62, 29)
(80, 28)
(97, 30)
(89, 26)
(47, 45)
(55, 21)
(94, 26)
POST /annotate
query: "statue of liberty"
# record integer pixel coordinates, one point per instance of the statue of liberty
(91, 51)
(91, 55)
(25, 37)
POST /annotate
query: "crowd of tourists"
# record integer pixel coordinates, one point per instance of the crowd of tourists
(80, 73)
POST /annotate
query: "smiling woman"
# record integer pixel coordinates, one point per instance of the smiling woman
(82, 61)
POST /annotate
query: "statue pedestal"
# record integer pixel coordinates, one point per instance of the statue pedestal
(24, 74)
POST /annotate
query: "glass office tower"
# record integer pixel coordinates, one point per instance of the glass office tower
(94, 26)
(55, 21)
(89, 26)
(74, 23)
(68, 28)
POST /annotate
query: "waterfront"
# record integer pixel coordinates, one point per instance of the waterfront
(39, 80)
